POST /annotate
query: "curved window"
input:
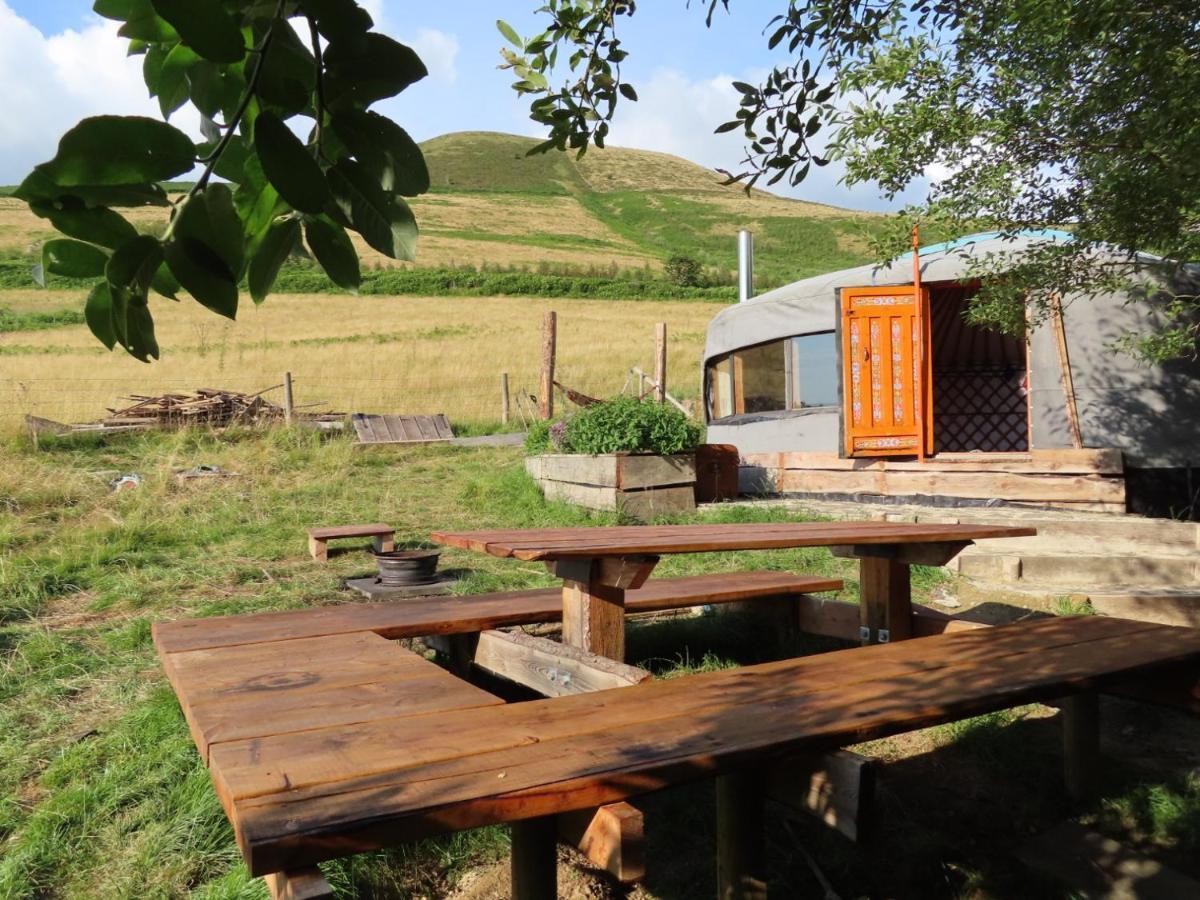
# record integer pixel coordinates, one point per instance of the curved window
(792, 374)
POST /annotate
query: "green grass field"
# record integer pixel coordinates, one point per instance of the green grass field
(102, 794)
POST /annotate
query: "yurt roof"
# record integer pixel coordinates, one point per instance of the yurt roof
(810, 305)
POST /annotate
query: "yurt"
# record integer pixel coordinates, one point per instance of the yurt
(862, 384)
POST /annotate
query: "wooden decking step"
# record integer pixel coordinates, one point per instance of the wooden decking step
(478, 612)
(383, 537)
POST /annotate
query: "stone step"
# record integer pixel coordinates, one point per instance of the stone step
(1165, 607)
(1135, 532)
(1080, 569)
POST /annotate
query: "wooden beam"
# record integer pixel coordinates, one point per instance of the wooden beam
(549, 349)
(1064, 363)
(838, 788)
(932, 554)
(504, 404)
(885, 600)
(741, 851)
(299, 884)
(1081, 744)
(458, 650)
(535, 859)
(594, 600)
(611, 837)
(550, 668)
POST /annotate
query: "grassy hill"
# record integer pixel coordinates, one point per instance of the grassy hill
(616, 214)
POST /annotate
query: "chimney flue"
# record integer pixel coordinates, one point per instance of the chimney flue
(745, 243)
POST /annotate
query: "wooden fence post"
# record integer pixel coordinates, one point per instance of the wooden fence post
(503, 398)
(546, 395)
(289, 408)
(660, 361)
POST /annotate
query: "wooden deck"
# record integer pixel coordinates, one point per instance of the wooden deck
(301, 788)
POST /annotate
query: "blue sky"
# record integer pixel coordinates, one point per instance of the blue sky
(60, 62)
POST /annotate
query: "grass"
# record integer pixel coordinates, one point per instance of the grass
(102, 794)
(355, 354)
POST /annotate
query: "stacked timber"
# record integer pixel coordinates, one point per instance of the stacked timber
(1082, 480)
(210, 407)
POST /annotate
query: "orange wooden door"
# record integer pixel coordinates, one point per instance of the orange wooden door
(885, 369)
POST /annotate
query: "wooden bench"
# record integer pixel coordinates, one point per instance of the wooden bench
(478, 612)
(382, 536)
(306, 781)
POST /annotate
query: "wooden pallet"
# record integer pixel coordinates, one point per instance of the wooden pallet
(373, 429)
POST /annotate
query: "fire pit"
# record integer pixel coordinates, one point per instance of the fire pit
(407, 568)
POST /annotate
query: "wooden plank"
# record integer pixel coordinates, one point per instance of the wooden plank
(343, 531)
(550, 668)
(540, 775)
(612, 838)
(885, 600)
(838, 788)
(972, 485)
(600, 471)
(444, 615)
(442, 426)
(640, 504)
(655, 471)
(362, 427)
(621, 540)
(299, 884)
(1033, 462)
(930, 554)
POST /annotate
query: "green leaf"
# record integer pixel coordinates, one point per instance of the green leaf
(225, 234)
(257, 202)
(165, 283)
(510, 34)
(371, 211)
(133, 266)
(628, 92)
(338, 21)
(97, 312)
(385, 150)
(142, 23)
(173, 85)
(288, 73)
(288, 165)
(96, 225)
(194, 258)
(117, 150)
(140, 341)
(40, 187)
(331, 247)
(361, 72)
(270, 255)
(74, 259)
(206, 27)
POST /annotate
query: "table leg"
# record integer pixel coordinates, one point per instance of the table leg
(1081, 745)
(885, 600)
(741, 854)
(594, 600)
(535, 859)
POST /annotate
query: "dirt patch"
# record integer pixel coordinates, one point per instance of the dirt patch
(576, 881)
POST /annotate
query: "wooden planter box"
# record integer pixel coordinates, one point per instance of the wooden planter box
(642, 486)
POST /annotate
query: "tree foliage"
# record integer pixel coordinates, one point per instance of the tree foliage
(1082, 114)
(258, 71)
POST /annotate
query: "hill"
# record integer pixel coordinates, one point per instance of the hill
(615, 213)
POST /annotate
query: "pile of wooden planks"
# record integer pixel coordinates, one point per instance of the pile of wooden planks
(205, 406)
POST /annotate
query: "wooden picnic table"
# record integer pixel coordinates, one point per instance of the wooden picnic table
(597, 565)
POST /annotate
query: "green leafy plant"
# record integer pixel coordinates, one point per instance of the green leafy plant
(244, 65)
(620, 425)
(683, 271)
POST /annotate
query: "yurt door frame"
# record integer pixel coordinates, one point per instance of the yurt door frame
(886, 372)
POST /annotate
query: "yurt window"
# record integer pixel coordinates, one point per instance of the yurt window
(795, 373)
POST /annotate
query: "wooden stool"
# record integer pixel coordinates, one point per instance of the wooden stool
(383, 537)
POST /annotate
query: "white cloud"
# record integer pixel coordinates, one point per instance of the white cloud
(439, 51)
(676, 114)
(51, 82)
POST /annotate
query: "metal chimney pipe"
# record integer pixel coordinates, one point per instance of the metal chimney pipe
(745, 241)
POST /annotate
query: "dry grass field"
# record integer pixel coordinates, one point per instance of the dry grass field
(353, 354)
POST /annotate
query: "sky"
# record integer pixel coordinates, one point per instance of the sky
(60, 62)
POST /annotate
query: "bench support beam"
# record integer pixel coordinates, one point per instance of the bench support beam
(838, 788)
(741, 854)
(299, 884)
(1081, 744)
(885, 600)
(594, 600)
(535, 859)
(611, 837)
(550, 668)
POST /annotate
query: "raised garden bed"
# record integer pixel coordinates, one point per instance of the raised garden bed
(640, 485)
